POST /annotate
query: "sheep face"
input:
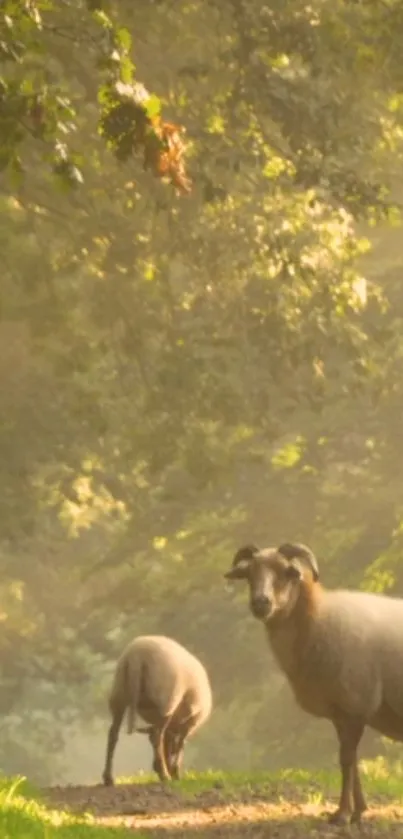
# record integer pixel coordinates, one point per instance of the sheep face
(173, 750)
(274, 582)
(174, 743)
(153, 736)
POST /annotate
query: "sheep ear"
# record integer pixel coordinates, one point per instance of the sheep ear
(239, 571)
(241, 563)
(293, 572)
(295, 550)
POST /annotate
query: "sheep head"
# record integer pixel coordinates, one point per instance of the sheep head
(274, 576)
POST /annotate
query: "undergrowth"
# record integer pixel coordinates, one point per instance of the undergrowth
(23, 816)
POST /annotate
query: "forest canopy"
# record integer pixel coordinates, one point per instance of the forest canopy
(200, 340)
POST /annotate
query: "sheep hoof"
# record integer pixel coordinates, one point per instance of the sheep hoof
(108, 781)
(339, 817)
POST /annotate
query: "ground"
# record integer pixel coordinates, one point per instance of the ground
(290, 805)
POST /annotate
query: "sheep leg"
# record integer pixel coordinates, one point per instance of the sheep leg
(113, 736)
(160, 763)
(176, 764)
(177, 758)
(360, 804)
(349, 733)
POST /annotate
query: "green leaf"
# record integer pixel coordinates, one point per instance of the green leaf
(126, 70)
(101, 17)
(123, 38)
(153, 106)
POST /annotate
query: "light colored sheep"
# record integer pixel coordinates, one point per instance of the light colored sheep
(162, 682)
(341, 651)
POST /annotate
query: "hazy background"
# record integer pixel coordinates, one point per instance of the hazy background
(179, 376)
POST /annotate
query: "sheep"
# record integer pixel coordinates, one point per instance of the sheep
(159, 680)
(341, 652)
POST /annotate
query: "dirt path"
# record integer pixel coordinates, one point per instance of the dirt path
(217, 813)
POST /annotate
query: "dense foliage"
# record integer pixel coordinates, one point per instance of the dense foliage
(37, 95)
(181, 373)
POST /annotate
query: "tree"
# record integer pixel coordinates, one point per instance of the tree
(37, 102)
(182, 376)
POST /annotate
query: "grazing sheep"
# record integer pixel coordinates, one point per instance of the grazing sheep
(341, 651)
(159, 680)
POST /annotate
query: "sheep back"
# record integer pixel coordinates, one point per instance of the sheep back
(164, 677)
(348, 654)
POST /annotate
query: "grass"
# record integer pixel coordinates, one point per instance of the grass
(23, 816)
(381, 779)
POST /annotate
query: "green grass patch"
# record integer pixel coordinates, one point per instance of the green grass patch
(23, 816)
(381, 779)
